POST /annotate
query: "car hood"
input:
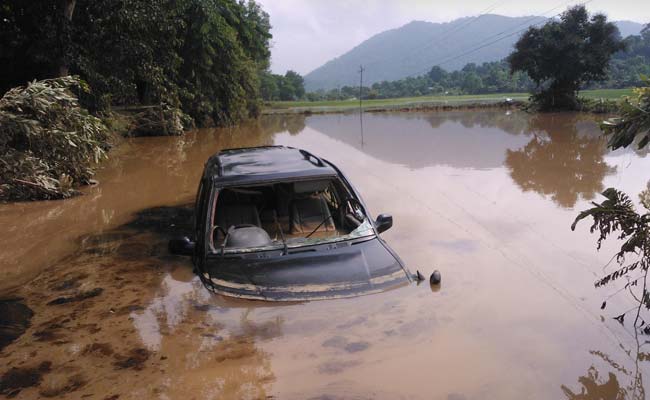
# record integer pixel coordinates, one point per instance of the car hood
(339, 270)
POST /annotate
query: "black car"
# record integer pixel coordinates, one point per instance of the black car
(278, 223)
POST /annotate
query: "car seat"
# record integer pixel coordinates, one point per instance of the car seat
(309, 208)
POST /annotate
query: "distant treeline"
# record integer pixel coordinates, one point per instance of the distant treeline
(203, 56)
(626, 69)
(289, 86)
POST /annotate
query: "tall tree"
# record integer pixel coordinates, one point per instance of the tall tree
(564, 55)
(297, 82)
(66, 36)
(202, 55)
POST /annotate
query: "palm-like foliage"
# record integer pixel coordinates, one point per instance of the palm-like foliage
(617, 216)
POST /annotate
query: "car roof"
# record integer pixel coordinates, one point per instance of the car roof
(254, 164)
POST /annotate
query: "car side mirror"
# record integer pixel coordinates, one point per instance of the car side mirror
(181, 246)
(383, 223)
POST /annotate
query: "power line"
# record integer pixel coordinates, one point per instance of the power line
(448, 32)
(482, 14)
(456, 29)
(361, 69)
(448, 60)
(542, 15)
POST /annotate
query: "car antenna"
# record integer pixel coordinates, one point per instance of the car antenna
(285, 250)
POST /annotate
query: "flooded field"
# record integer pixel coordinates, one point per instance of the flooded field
(96, 308)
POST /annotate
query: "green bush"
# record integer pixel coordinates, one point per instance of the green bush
(633, 122)
(48, 143)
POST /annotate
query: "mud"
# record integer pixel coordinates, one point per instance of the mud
(15, 318)
(486, 197)
(76, 297)
(17, 379)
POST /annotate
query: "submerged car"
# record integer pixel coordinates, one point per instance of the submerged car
(281, 224)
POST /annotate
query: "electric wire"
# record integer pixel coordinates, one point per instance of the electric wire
(474, 50)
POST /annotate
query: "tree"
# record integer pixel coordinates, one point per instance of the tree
(437, 74)
(268, 86)
(562, 56)
(472, 83)
(204, 56)
(66, 36)
(28, 49)
(297, 82)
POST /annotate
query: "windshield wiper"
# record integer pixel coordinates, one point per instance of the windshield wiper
(319, 225)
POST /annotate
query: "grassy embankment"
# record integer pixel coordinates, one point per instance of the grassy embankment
(281, 107)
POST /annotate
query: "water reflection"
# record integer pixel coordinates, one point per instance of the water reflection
(555, 155)
(422, 140)
(595, 385)
(564, 159)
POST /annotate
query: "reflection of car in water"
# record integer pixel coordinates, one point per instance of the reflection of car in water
(278, 223)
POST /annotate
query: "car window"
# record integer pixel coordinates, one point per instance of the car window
(286, 215)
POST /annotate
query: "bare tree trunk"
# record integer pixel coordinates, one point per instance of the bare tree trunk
(68, 11)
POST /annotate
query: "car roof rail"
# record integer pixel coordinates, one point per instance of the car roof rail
(219, 166)
(308, 156)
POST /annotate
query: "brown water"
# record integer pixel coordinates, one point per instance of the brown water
(486, 197)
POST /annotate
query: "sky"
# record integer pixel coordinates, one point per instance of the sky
(308, 33)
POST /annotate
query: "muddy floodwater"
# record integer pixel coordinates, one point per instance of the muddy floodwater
(94, 307)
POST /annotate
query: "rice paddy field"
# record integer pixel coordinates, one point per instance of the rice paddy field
(440, 100)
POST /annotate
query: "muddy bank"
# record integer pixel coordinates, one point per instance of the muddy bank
(74, 322)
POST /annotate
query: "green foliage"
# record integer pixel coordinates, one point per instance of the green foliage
(627, 66)
(633, 122)
(490, 77)
(126, 51)
(624, 71)
(48, 143)
(289, 87)
(201, 55)
(563, 56)
(617, 216)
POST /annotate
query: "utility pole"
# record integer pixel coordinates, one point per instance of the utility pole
(361, 69)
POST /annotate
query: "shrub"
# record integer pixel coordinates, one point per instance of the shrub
(48, 143)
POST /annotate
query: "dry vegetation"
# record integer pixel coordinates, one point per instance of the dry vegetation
(48, 142)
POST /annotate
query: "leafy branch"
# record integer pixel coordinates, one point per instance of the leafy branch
(618, 216)
(634, 121)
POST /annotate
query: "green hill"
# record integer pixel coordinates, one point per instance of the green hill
(413, 48)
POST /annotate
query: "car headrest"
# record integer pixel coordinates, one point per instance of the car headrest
(310, 186)
(247, 236)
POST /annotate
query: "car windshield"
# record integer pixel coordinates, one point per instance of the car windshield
(286, 215)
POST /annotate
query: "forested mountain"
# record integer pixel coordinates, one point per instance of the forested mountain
(414, 48)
